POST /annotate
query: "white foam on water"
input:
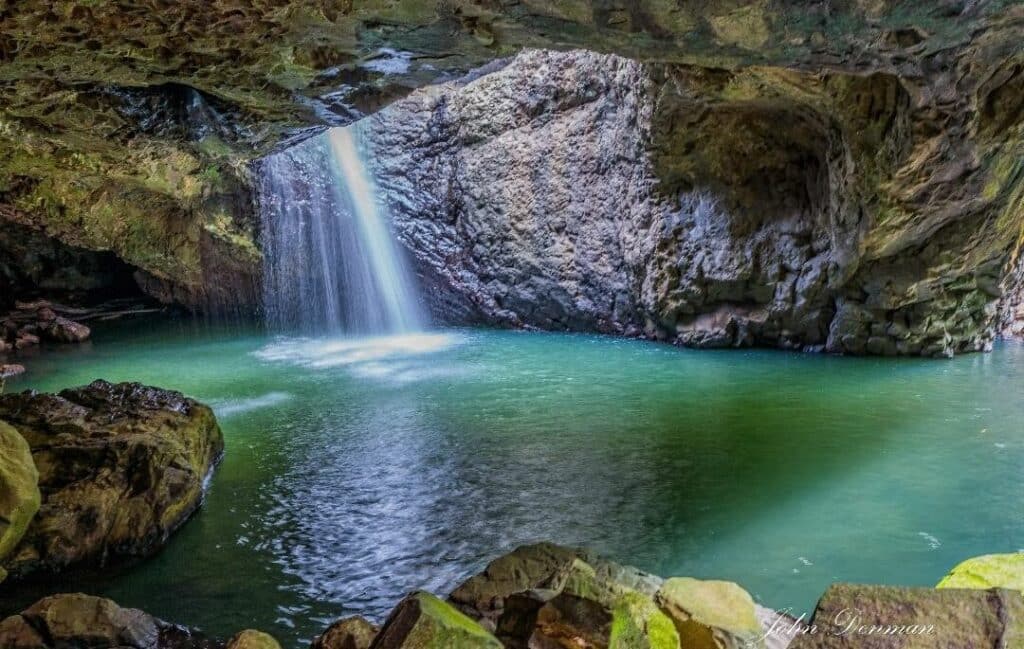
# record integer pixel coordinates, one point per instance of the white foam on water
(391, 358)
(236, 406)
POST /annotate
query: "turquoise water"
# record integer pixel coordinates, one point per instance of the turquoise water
(358, 471)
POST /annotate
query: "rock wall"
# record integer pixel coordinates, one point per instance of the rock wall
(709, 207)
(127, 129)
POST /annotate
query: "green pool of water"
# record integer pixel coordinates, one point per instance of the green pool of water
(357, 471)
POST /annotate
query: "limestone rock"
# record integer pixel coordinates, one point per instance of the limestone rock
(120, 468)
(853, 616)
(710, 614)
(807, 153)
(19, 489)
(708, 207)
(348, 633)
(422, 621)
(988, 571)
(252, 639)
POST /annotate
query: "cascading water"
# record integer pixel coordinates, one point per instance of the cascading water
(331, 265)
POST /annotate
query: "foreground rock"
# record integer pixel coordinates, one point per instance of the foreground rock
(120, 468)
(852, 617)
(547, 595)
(422, 621)
(19, 490)
(348, 633)
(77, 620)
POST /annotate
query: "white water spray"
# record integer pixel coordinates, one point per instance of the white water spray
(331, 264)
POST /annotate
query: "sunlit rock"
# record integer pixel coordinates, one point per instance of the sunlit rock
(710, 614)
(988, 571)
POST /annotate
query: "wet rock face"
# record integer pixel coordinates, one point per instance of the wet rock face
(857, 214)
(120, 468)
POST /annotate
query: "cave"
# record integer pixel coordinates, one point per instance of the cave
(461, 309)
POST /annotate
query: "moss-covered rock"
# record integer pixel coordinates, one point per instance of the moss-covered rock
(850, 616)
(710, 614)
(252, 639)
(988, 571)
(120, 466)
(422, 621)
(546, 595)
(19, 490)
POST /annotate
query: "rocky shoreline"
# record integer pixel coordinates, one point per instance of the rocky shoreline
(545, 596)
(107, 472)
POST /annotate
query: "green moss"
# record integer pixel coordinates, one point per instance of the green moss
(638, 624)
(19, 489)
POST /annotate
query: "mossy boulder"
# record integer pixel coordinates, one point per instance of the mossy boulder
(252, 639)
(988, 571)
(348, 633)
(422, 621)
(711, 614)
(637, 623)
(121, 466)
(546, 595)
(19, 489)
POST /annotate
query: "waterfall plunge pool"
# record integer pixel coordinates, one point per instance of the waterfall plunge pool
(357, 470)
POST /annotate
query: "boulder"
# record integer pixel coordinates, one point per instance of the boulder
(75, 620)
(850, 616)
(19, 489)
(422, 621)
(545, 595)
(543, 566)
(348, 633)
(252, 639)
(711, 614)
(120, 468)
(988, 571)
(63, 330)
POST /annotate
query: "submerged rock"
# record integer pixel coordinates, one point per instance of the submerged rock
(120, 468)
(988, 571)
(853, 617)
(19, 490)
(348, 633)
(422, 621)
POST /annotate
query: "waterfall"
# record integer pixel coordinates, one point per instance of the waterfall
(331, 264)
